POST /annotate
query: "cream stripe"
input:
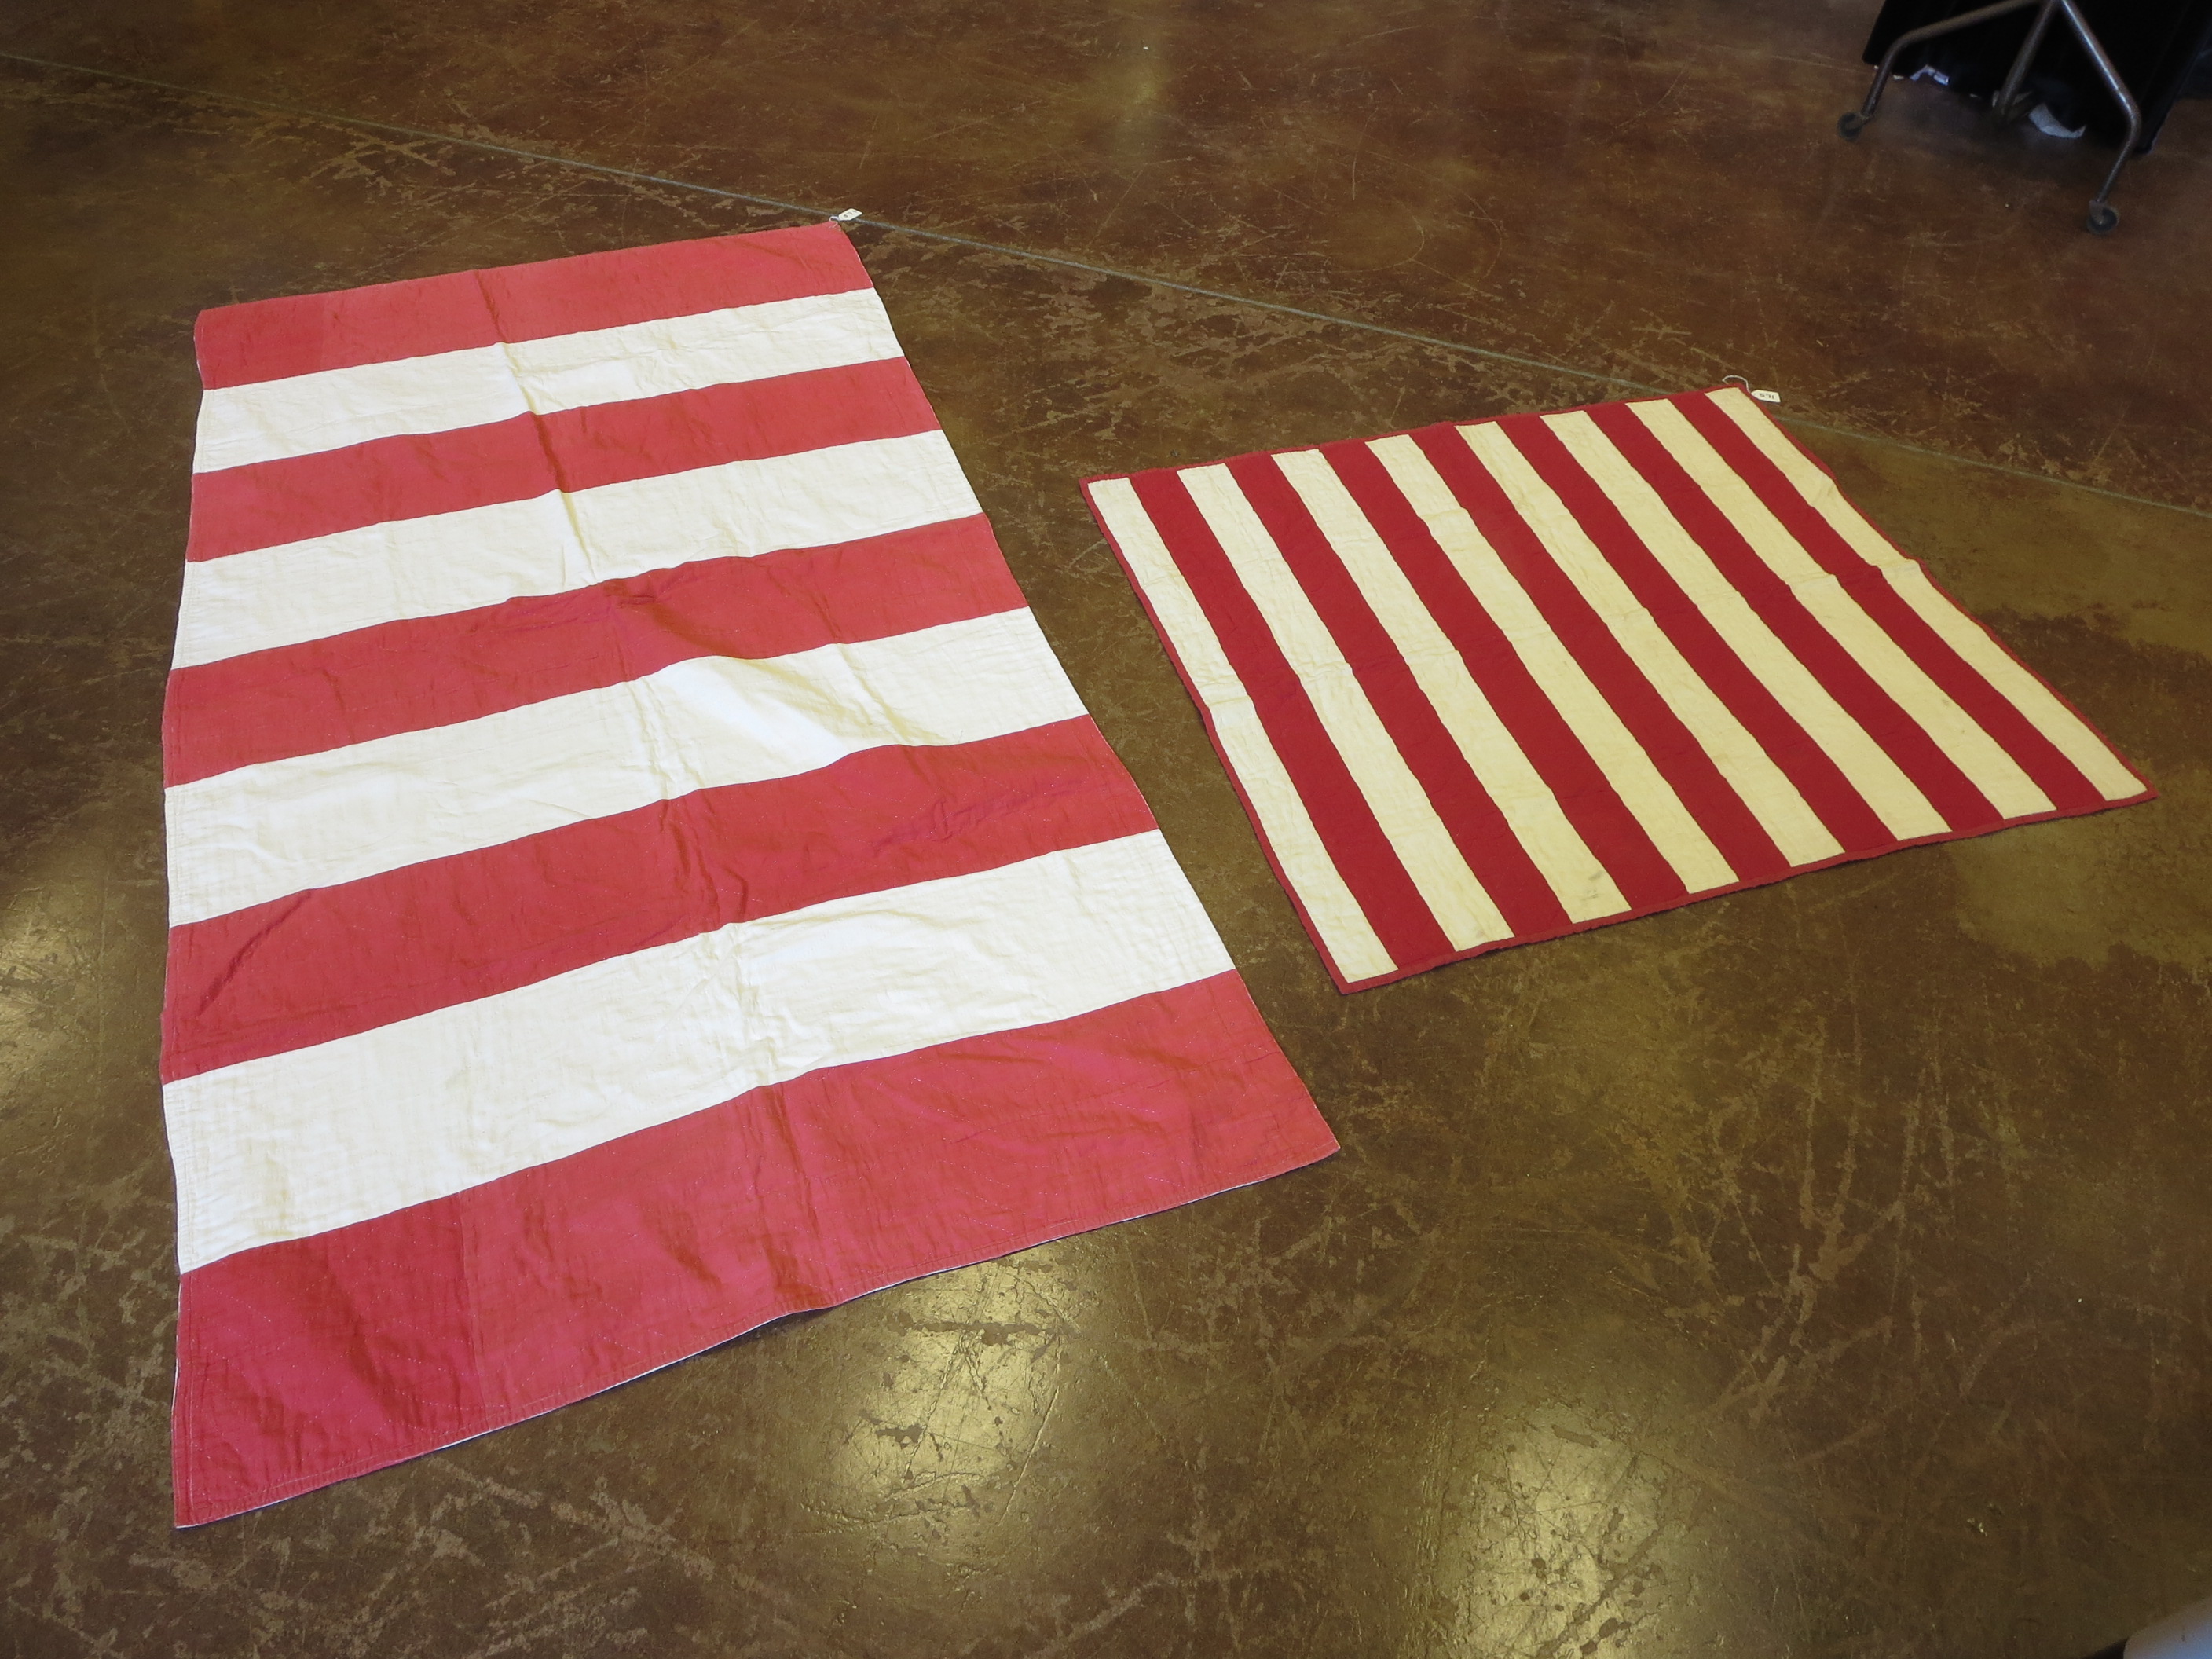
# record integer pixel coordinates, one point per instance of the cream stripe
(1761, 785)
(1798, 831)
(1647, 795)
(259, 832)
(1580, 883)
(1809, 481)
(299, 1143)
(1401, 807)
(308, 414)
(1973, 751)
(1343, 927)
(449, 562)
(2067, 732)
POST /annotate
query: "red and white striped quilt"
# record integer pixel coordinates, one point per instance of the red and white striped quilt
(636, 868)
(1485, 684)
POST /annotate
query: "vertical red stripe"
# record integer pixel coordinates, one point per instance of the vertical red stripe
(1667, 738)
(1584, 794)
(1676, 754)
(2041, 759)
(1476, 825)
(1355, 842)
(1798, 756)
(1903, 739)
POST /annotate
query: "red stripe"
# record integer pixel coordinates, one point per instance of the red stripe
(304, 334)
(333, 961)
(415, 476)
(1355, 842)
(1477, 827)
(1799, 758)
(1591, 804)
(306, 1361)
(1948, 790)
(434, 670)
(1953, 795)
(1831, 795)
(1956, 797)
(1673, 748)
(2041, 759)
(268, 503)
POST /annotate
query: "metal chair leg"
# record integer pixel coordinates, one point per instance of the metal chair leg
(2006, 104)
(2103, 215)
(1854, 121)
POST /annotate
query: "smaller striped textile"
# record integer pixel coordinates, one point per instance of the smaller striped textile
(1486, 683)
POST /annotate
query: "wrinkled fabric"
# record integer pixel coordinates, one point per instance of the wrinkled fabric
(636, 868)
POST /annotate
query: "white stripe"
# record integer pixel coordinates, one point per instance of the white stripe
(258, 833)
(1972, 749)
(1750, 771)
(450, 561)
(1642, 788)
(1402, 809)
(1580, 883)
(2067, 732)
(1810, 481)
(299, 1143)
(1798, 831)
(306, 414)
(1308, 871)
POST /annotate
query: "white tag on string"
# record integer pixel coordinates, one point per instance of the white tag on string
(1767, 396)
(847, 217)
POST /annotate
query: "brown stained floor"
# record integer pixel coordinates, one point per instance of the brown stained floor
(1821, 1271)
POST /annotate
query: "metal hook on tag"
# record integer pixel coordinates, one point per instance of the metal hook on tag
(1759, 393)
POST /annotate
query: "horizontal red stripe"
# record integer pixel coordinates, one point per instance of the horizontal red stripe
(303, 1363)
(269, 504)
(434, 670)
(304, 334)
(2041, 759)
(333, 961)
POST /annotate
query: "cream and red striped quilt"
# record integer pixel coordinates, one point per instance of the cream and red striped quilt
(636, 868)
(1485, 684)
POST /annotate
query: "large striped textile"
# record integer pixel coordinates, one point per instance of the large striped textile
(636, 869)
(1485, 684)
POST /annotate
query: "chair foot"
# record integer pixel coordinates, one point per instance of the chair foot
(2103, 215)
(1852, 124)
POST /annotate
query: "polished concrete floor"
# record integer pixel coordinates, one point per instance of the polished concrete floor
(1821, 1271)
